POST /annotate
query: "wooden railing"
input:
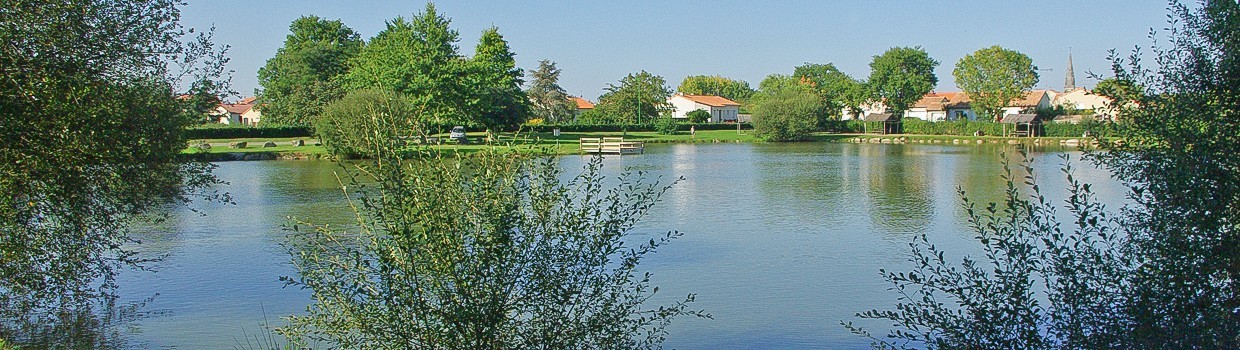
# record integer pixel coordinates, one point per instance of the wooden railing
(610, 145)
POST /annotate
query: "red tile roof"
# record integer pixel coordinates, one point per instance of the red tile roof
(1031, 99)
(239, 107)
(581, 102)
(711, 100)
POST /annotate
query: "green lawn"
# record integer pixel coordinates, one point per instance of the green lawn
(567, 142)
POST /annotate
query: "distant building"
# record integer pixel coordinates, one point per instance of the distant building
(1084, 102)
(241, 113)
(940, 106)
(720, 109)
(582, 104)
(1033, 100)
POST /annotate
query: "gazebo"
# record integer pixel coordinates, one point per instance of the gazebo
(1023, 125)
(887, 123)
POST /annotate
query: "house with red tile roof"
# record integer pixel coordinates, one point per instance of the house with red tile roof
(582, 104)
(939, 106)
(243, 112)
(721, 109)
(1033, 100)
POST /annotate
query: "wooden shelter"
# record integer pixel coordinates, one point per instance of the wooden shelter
(881, 123)
(1023, 125)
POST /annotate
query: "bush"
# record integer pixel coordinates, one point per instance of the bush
(368, 121)
(225, 131)
(666, 126)
(698, 116)
(786, 114)
(485, 251)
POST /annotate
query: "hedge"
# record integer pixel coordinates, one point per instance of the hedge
(629, 127)
(968, 128)
(214, 131)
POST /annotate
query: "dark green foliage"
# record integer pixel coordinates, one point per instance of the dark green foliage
(93, 133)
(303, 76)
(1180, 152)
(225, 131)
(698, 116)
(496, 83)
(900, 77)
(735, 90)
(548, 100)
(640, 98)
(785, 109)
(418, 58)
(837, 90)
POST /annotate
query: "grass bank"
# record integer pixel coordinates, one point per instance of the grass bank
(567, 142)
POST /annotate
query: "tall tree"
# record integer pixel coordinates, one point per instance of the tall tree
(901, 76)
(549, 101)
(417, 58)
(302, 78)
(94, 139)
(736, 90)
(993, 77)
(499, 101)
(640, 98)
(837, 89)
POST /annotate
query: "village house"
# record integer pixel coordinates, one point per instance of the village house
(940, 106)
(1084, 102)
(582, 105)
(1033, 101)
(720, 109)
(240, 113)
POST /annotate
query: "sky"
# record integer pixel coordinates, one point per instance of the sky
(597, 42)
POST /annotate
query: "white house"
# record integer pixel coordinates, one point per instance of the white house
(242, 112)
(720, 109)
(1086, 101)
(1034, 100)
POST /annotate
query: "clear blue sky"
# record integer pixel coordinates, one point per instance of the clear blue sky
(597, 42)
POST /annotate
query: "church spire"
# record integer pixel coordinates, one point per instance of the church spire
(1069, 81)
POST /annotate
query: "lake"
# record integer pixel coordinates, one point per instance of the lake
(782, 241)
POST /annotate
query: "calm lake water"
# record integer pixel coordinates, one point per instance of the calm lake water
(782, 241)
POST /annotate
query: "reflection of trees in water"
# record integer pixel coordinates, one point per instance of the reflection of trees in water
(898, 187)
(102, 324)
(799, 182)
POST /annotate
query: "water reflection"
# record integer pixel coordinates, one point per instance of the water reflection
(782, 240)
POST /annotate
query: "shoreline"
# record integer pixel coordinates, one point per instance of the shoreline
(563, 146)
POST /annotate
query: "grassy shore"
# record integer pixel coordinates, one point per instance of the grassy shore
(567, 142)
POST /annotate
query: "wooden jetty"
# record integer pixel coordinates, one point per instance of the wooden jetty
(611, 145)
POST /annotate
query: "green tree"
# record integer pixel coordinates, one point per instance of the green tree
(1178, 155)
(993, 77)
(785, 109)
(95, 133)
(698, 116)
(640, 98)
(837, 90)
(416, 58)
(303, 76)
(548, 100)
(1162, 273)
(491, 250)
(500, 103)
(736, 90)
(900, 77)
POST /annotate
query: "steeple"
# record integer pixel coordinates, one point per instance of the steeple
(1069, 82)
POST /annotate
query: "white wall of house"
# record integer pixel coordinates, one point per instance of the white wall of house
(251, 116)
(681, 107)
